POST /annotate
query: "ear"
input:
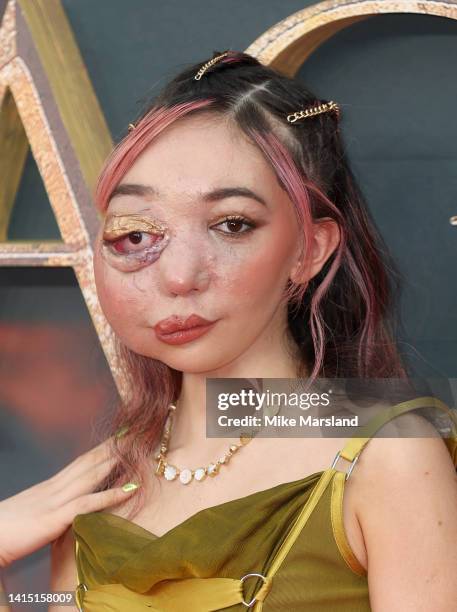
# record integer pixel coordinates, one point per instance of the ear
(325, 239)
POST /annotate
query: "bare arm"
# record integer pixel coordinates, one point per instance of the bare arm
(408, 515)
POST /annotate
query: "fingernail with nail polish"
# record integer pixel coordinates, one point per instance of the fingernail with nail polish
(130, 486)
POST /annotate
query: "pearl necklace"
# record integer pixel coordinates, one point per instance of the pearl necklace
(171, 472)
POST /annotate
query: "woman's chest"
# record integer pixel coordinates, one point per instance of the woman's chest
(270, 464)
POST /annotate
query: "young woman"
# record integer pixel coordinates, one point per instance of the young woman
(236, 243)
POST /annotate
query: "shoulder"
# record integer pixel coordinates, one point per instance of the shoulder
(64, 576)
(405, 450)
(405, 500)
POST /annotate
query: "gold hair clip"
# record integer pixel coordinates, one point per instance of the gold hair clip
(314, 110)
(131, 127)
(205, 67)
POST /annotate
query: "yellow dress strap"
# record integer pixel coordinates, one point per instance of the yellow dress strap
(306, 511)
(203, 594)
(168, 596)
(352, 450)
(355, 445)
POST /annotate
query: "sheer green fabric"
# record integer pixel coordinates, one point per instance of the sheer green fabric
(292, 534)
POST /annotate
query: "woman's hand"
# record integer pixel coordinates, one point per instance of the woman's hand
(34, 517)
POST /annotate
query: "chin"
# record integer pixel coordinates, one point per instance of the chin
(199, 356)
(198, 361)
(192, 366)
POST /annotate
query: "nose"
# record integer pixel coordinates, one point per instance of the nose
(184, 266)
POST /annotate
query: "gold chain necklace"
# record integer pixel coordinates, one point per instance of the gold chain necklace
(171, 472)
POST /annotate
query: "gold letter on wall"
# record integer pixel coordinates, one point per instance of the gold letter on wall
(47, 102)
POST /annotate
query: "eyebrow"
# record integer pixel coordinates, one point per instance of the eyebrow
(146, 191)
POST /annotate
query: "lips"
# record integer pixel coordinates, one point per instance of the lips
(176, 323)
(175, 330)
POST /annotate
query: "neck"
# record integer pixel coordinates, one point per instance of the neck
(278, 360)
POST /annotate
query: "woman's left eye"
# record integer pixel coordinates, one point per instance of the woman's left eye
(234, 224)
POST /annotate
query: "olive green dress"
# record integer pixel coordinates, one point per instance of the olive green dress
(291, 537)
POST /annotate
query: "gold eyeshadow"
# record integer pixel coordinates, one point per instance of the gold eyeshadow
(120, 226)
(117, 226)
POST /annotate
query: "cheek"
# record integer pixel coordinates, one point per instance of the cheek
(259, 274)
(118, 295)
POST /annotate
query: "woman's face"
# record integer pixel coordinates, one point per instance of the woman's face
(187, 256)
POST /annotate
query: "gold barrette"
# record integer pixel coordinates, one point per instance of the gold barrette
(314, 110)
(205, 67)
(131, 126)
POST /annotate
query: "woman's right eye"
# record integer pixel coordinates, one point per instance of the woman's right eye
(132, 243)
